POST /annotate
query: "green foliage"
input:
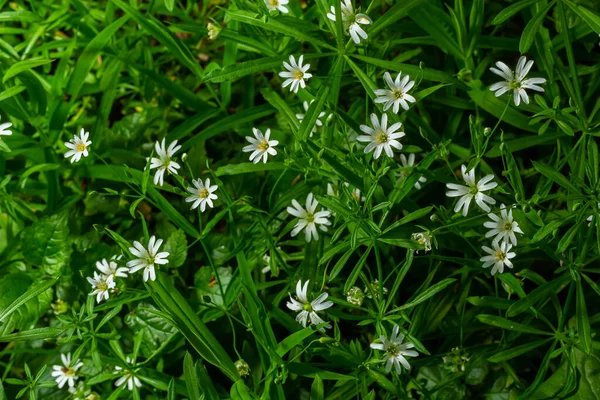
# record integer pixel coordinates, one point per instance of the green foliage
(397, 255)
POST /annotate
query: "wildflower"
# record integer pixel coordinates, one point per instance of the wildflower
(373, 290)
(355, 296)
(516, 81)
(308, 219)
(164, 160)
(78, 146)
(395, 352)
(397, 95)
(4, 131)
(202, 194)
(503, 227)
(273, 5)
(381, 137)
(66, 373)
(109, 268)
(147, 258)
(213, 31)
(352, 21)
(128, 376)
(456, 361)
(296, 74)
(409, 163)
(499, 257)
(242, 368)
(102, 284)
(59, 307)
(308, 309)
(424, 239)
(260, 146)
(318, 122)
(472, 191)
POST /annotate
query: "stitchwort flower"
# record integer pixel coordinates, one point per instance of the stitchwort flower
(164, 162)
(78, 146)
(397, 94)
(380, 137)
(66, 373)
(499, 257)
(102, 285)
(516, 81)
(503, 227)
(296, 74)
(202, 194)
(352, 21)
(260, 146)
(473, 190)
(308, 309)
(396, 352)
(147, 258)
(308, 219)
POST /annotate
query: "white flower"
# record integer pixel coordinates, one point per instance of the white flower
(395, 351)
(164, 162)
(260, 146)
(308, 219)
(267, 261)
(66, 373)
(4, 131)
(273, 5)
(295, 74)
(381, 137)
(202, 194)
(503, 227)
(351, 21)
(424, 239)
(516, 81)
(409, 163)
(318, 122)
(78, 145)
(308, 309)
(472, 191)
(499, 256)
(109, 268)
(147, 258)
(397, 95)
(102, 284)
(127, 376)
(213, 31)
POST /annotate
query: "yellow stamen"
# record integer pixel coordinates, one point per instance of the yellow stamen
(298, 74)
(203, 193)
(382, 137)
(80, 147)
(263, 146)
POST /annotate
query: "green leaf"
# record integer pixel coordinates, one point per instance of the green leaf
(289, 28)
(158, 31)
(511, 10)
(20, 304)
(398, 11)
(293, 340)
(532, 28)
(88, 57)
(592, 19)
(516, 351)
(542, 292)
(191, 377)
(11, 91)
(239, 391)
(249, 168)
(420, 213)
(191, 326)
(32, 293)
(504, 323)
(430, 292)
(22, 66)
(555, 176)
(317, 389)
(312, 114)
(46, 244)
(154, 329)
(177, 247)
(33, 334)
(583, 321)
(282, 106)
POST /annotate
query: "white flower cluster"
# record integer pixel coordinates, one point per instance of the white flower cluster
(103, 283)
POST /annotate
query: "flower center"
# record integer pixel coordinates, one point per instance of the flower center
(393, 350)
(397, 94)
(102, 286)
(203, 193)
(516, 85)
(80, 147)
(310, 218)
(307, 307)
(298, 74)
(150, 260)
(473, 190)
(508, 226)
(382, 137)
(500, 255)
(273, 3)
(263, 146)
(68, 371)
